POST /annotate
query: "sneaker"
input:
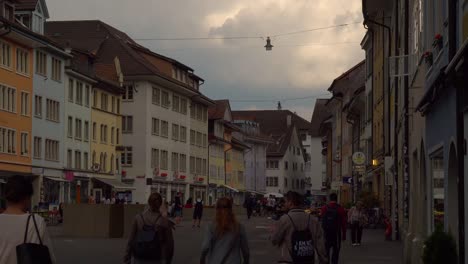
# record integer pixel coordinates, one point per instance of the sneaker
(354, 244)
(358, 244)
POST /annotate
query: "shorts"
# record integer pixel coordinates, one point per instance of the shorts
(197, 215)
(178, 213)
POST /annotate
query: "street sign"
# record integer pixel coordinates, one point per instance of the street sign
(348, 180)
(335, 185)
(359, 168)
(359, 158)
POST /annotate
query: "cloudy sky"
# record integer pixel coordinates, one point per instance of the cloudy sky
(300, 65)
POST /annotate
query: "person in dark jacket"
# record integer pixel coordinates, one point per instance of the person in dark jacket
(163, 226)
(197, 212)
(334, 227)
(250, 204)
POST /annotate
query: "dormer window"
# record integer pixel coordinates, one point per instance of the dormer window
(24, 19)
(8, 11)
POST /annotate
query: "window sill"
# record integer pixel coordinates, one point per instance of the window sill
(126, 165)
(24, 74)
(71, 137)
(42, 74)
(37, 158)
(8, 111)
(52, 160)
(127, 101)
(6, 67)
(79, 139)
(127, 132)
(58, 81)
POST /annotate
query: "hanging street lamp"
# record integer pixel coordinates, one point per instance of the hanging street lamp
(268, 45)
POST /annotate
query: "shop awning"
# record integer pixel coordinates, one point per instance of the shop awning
(56, 179)
(229, 187)
(117, 185)
(256, 192)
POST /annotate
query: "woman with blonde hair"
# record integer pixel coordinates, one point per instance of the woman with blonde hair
(151, 240)
(225, 240)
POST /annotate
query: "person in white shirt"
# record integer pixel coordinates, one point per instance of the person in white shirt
(18, 193)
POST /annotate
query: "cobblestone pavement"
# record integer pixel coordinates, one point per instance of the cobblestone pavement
(374, 249)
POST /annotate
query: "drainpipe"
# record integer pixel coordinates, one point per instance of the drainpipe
(460, 141)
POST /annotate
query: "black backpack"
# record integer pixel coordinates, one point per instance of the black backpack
(330, 221)
(147, 243)
(302, 245)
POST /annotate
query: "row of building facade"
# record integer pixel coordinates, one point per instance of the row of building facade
(404, 110)
(88, 113)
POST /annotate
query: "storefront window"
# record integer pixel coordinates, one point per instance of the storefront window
(438, 197)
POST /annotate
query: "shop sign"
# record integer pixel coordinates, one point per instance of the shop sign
(81, 174)
(335, 185)
(359, 158)
(359, 168)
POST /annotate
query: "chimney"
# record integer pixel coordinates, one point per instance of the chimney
(288, 120)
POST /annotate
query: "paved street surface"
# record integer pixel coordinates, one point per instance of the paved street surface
(188, 241)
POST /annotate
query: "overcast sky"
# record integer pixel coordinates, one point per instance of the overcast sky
(300, 65)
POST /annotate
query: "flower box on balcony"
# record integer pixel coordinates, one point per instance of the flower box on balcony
(163, 174)
(428, 58)
(201, 179)
(182, 177)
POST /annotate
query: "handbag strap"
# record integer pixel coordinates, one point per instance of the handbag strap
(35, 227)
(27, 229)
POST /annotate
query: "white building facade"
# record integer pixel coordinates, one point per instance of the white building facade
(168, 143)
(287, 172)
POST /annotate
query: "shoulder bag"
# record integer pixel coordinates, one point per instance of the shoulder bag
(31, 253)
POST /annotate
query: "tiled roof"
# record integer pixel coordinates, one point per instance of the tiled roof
(354, 78)
(217, 111)
(320, 114)
(274, 124)
(22, 5)
(107, 42)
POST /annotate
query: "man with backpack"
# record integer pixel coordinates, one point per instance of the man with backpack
(151, 239)
(334, 227)
(298, 234)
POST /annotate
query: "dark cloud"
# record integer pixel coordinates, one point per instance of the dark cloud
(299, 65)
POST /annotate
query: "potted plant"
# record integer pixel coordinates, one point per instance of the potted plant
(440, 248)
(428, 58)
(438, 43)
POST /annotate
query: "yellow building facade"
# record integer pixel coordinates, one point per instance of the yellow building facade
(106, 135)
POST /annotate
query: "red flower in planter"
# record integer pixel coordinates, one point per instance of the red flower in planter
(438, 37)
(201, 179)
(182, 177)
(427, 54)
(163, 174)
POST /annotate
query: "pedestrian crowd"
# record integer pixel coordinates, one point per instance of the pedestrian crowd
(300, 235)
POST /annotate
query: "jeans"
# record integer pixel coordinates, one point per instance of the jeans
(333, 245)
(249, 212)
(356, 232)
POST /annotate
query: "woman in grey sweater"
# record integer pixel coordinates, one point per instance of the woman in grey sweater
(225, 240)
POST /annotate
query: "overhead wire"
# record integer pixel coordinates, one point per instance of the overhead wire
(248, 37)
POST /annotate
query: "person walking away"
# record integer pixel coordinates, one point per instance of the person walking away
(197, 212)
(17, 226)
(334, 227)
(225, 240)
(151, 240)
(298, 234)
(178, 208)
(249, 204)
(357, 219)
